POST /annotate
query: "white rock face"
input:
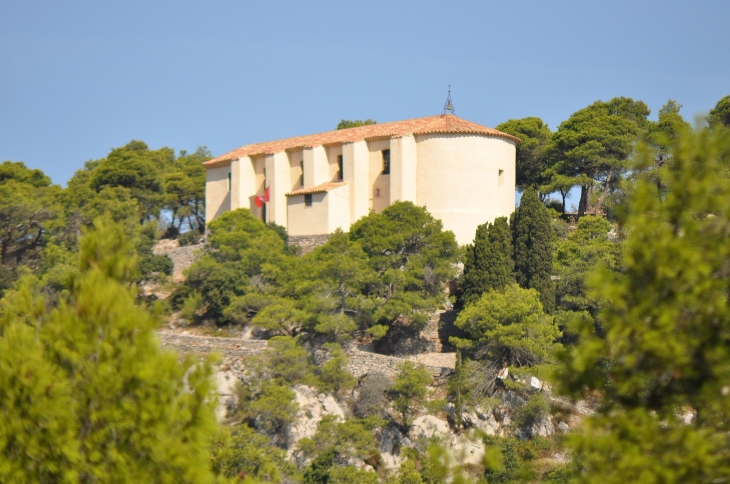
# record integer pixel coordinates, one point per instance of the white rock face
(543, 427)
(428, 426)
(312, 407)
(483, 420)
(467, 449)
(225, 382)
(535, 383)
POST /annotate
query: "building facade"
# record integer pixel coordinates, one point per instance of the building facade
(462, 172)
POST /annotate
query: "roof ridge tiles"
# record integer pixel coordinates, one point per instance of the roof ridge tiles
(440, 124)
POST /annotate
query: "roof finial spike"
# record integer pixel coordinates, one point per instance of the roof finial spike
(449, 106)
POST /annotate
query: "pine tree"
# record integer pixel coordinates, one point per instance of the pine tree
(664, 350)
(87, 394)
(533, 248)
(489, 262)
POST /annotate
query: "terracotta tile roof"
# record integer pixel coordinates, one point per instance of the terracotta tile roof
(324, 187)
(443, 124)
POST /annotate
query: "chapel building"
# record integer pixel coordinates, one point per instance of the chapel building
(462, 172)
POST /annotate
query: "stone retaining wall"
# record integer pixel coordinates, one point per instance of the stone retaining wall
(232, 350)
(308, 242)
(182, 257)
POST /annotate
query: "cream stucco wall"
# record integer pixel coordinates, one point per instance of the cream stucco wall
(305, 220)
(403, 169)
(379, 183)
(329, 211)
(316, 166)
(458, 180)
(333, 152)
(296, 158)
(338, 201)
(357, 175)
(243, 183)
(217, 194)
(278, 181)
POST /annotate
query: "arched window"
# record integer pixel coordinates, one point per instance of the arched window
(377, 193)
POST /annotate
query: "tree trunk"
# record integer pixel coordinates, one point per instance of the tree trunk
(585, 195)
(605, 190)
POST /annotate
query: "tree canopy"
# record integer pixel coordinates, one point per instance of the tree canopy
(488, 263)
(87, 393)
(664, 351)
(593, 146)
(346, 123)
(533, 241)
(534, 134)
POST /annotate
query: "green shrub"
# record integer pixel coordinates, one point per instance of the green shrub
(151, 265)
(409, 389)
(334, 372)
(191, 237)
(535, 409)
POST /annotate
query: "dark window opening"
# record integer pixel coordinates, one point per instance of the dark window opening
(340, 168)
(301, 179)
(307, 200)
(230, 181)
(386, 162)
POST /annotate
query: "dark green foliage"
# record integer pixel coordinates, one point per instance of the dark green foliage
(533, 248)
(184, 183)
(137, 169)
(586, 248)
(318, 472)
(84, 379)
(593, 146)
(280, 231)
(191, 237)
(217, 283)
(488, 263)
(537, 407)
(666, 319)
(534, 135)
(334, 372)
(240, 236)
(413, 257)
(266, 401)
(346, 123)
(243, 452)
(351, 439)
(155, 264)
(508, 463)
(720, 114)
(20, 173)
(409, 389)
(509, 326)
(245, 251)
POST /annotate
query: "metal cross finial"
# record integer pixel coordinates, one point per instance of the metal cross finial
(449, 106)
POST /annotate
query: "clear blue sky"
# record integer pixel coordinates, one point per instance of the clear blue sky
(78, 78)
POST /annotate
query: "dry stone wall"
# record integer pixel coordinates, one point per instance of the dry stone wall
(234, 350)
(308, 242)
(182, 257)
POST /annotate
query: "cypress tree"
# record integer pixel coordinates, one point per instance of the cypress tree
(533, 248)
(489, 262)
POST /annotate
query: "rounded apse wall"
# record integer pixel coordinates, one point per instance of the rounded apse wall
(466, 180)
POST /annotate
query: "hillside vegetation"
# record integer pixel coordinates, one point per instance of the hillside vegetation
(589, 346)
